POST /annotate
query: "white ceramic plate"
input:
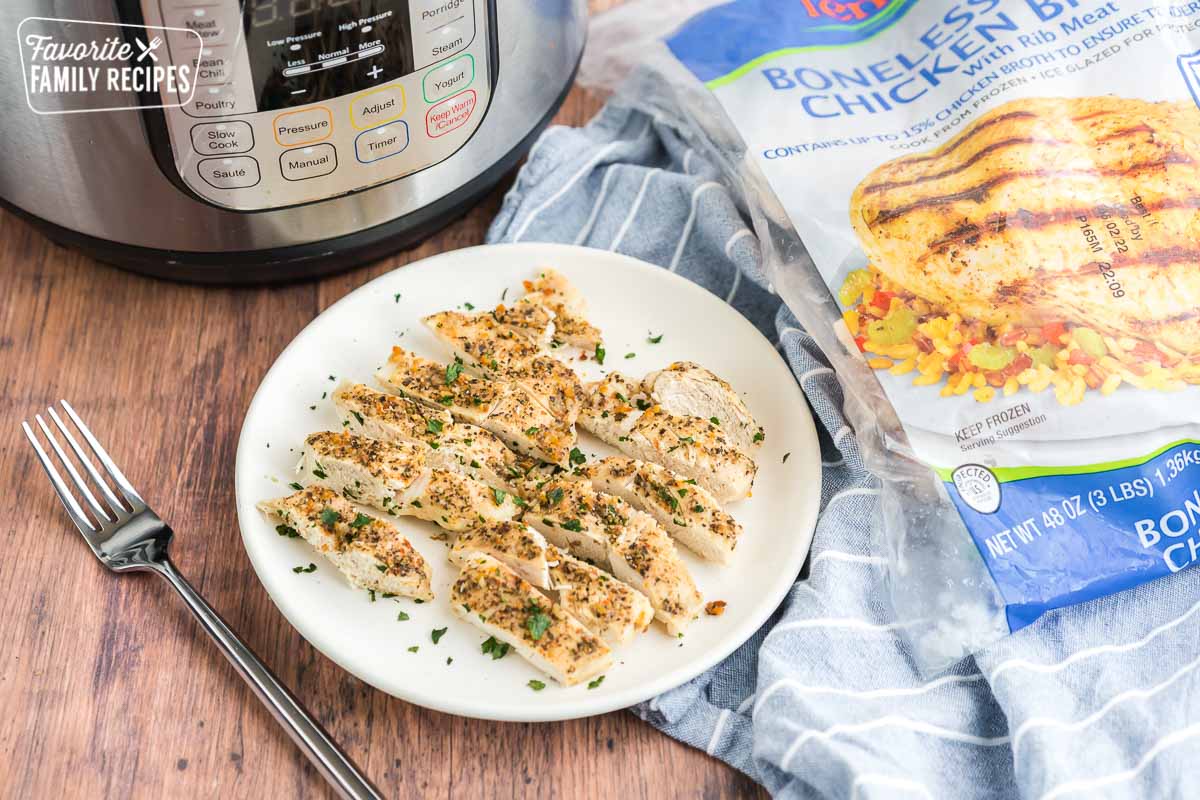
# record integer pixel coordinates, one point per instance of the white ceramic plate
(628, 299)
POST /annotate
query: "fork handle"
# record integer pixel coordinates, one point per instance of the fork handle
(305, 731)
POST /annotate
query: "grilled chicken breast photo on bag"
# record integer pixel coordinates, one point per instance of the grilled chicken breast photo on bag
(1051, 243)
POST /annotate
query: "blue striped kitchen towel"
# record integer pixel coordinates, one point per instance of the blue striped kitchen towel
(1100, 700)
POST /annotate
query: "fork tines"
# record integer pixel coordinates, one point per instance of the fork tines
(117, 509)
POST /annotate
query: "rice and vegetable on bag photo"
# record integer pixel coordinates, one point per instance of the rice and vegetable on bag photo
(987, 214)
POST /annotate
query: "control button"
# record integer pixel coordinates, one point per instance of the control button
(212, 101)
(450, 114)
(222, 138)
(212, 65)
(308, 162)
(382, 142)
(238, 172)
(440, 28)
(206, 22)
(451, 77)
(376, 107)
(307, 126)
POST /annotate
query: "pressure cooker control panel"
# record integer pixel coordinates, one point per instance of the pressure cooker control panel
(302, 100)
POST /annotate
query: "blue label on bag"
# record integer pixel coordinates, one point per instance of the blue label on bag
(724, 39)
(1057, 540)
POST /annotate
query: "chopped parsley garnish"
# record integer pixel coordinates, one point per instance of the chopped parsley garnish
(396, 297)
(402, 617)
(714, 420)
(329, 518)
(296, 486)
(631, 355)
(593, 684)
(386, 595)
(332, 378)
(433, 425)
(449, 660)
(577, 456)
(519, 501)
(448, 400)
(474, 464)
(759, 436)
(310, 568)
(319, 471)
(697, 508)
(468, 307)
(504, 294)
(288, 531)
(357, 416)
(599, 354)
(495, 648)
(381, 567)
(413, 649)
(453, 370)
(642, 404)
(573, 525)
(682, 441)
(554, 496)
(371, 594)
(667, 497)
(531, 431)
(418, 600)
(536, 685)
(652, 339)
(498, 495)
(537, 622)
(360, 520)
(436, 634)
(786, 456)
(621, 397)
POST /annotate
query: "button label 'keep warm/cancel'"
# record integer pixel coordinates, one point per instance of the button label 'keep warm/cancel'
(450, 114)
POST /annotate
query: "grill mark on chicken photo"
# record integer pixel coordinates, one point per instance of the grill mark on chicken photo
(966, 137)
(969, 233)
(1003, 144)
(1122, 133)
(980, 192)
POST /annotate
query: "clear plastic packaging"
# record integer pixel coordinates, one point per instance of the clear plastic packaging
(941, 190)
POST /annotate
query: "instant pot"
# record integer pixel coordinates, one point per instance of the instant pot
(219, 140)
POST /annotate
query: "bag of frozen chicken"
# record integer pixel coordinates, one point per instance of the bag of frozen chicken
(987, 212)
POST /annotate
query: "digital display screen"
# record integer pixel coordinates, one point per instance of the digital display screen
(303, 51)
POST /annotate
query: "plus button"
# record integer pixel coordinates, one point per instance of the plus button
(374, 72)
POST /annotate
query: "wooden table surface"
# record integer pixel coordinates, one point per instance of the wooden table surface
(108, 688)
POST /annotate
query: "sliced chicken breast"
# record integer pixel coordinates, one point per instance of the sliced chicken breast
(684, 508)
(553, 312)
(394, 477)
(370, 552)
(617, 412)
(500, 407)
(607, 607)
(514, 544)
(457, 446)
(690, 390)
(494, 351)
(502, 604)
(605, 530)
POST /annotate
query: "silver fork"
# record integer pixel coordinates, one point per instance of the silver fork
(127, 536)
